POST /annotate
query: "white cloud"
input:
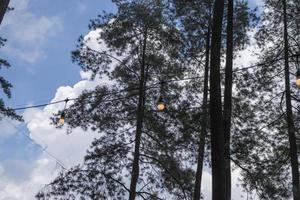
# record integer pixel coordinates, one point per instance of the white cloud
(92, 42)
(21, 180)
(28, 32)
(68, 149)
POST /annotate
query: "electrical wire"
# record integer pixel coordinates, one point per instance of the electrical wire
(155, 85)
(44, 149)
(105, 94)
(131, 89)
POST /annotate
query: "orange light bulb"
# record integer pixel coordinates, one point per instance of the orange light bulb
(161, 106)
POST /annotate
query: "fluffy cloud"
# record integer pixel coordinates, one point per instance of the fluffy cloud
(20, 179)
(28, 32)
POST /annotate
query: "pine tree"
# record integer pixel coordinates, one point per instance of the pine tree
(289, 110)
(220, 139)
(216, 119)
(146, 43)
(197, 34)
(195, 28)
(167, 153)
(266, 133)
(228, 97)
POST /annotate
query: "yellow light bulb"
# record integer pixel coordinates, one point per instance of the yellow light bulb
(61, 121)
(161, 106)
(298, 81)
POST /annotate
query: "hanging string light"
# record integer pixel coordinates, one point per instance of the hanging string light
(161, 104)
(129, 89)
(61, 120)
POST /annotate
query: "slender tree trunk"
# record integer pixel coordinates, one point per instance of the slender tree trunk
(139, 125)
(203, 134)
(228, 97)
(3, 8)
(216, 115)
(289, 113)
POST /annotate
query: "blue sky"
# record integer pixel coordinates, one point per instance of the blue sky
(36, 81)
(37, 77)
(41, 35)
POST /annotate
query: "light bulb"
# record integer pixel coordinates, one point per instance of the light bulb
(61, 120)
(298, 77)
(161, 106)
(298, 81)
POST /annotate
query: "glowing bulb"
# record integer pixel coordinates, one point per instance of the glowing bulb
(161, 106)
(61, 120)
(298, 81)
(298, 78)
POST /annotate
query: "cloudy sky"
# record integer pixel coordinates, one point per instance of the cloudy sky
(41, 34)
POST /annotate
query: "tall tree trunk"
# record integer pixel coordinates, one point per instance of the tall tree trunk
(228, 97)
(139, 125)
(3, 8)
(203, 134)
(289, 112)
(216, 115)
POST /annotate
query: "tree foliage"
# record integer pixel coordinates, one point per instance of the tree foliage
(114, 114)
(168, 38)
(4, 84)
(262, 133)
